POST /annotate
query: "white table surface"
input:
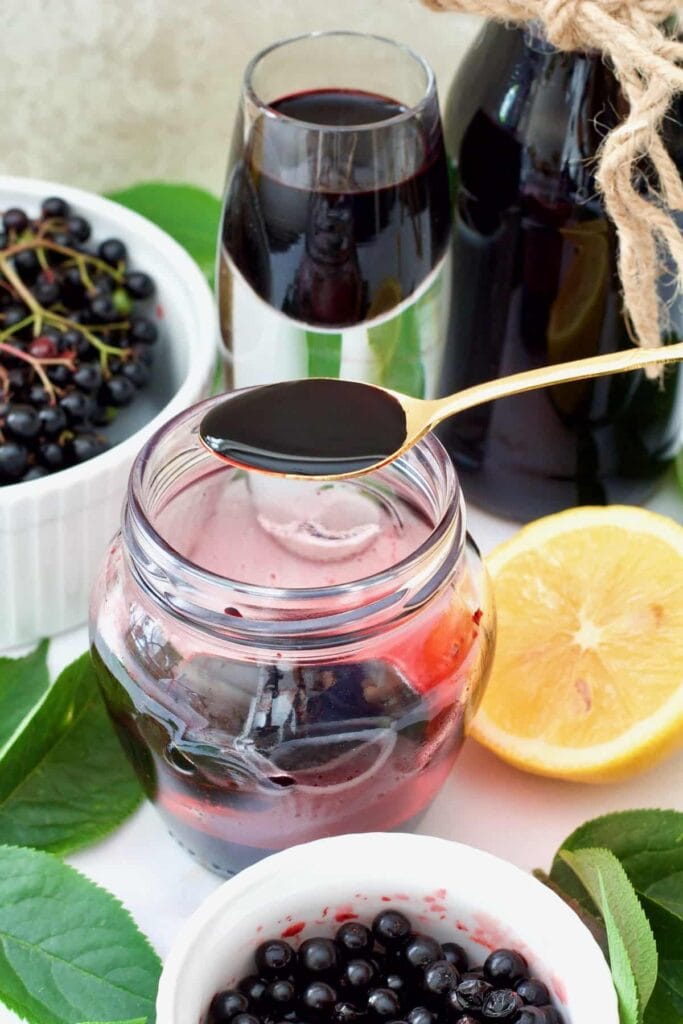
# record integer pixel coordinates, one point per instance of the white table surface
(484, 803)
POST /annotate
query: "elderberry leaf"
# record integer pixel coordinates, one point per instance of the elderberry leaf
(23, 681)
(64, 780)
(632, 949)
(186, 213)
(69, 951)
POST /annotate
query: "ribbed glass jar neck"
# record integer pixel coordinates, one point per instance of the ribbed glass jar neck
(278, 617)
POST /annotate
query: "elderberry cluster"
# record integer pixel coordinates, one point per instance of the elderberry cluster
(75, 340)
(386, 974)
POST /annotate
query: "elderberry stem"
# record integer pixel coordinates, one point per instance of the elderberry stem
(101, 346)
(18, 285)
(36, 243)
(37, 365)
(16, 327)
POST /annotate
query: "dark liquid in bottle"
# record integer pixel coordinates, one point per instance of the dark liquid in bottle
(306, 427)
(535, 282)
(341, 231)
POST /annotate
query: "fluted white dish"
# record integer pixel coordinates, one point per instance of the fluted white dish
(449, 890)
(53, 531)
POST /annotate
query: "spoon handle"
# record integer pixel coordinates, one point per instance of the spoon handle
(544, 376)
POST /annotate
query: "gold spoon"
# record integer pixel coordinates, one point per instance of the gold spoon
(334, 429)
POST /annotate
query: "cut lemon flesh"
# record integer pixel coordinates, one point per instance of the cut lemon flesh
(587, 681)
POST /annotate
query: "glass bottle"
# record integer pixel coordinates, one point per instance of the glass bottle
(535, 282)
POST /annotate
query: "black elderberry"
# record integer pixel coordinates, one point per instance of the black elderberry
(139, 285)
(13, 314)
(455, 955)
(346, 1013)
(103, 309)
(505, 967)
(318, 956)
(27, 266)
(46, 291)
(86, 446)
(421, 1015)
(531, 1015)
(51, 455)
(15, 219)
(319, 998)
(392, 929)
(533, 992)
(281, 995)
(470, 994)
(138, 372)
(117, 391)
(112, 251)
(226, 1005)
(359, 974)
(254, 988)
(78, 228)
(354, 939)
(384, 1004)
(78, 407)
(421, 951)
(13, 461)
(439, 978)
(22, 422)
(143, 331)
(54, 206)
(275, 958)
(501, 1004)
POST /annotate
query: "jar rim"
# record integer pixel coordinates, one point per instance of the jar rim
(152, 554)
(411, 111)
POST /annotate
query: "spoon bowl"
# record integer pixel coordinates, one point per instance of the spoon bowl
(333, 429)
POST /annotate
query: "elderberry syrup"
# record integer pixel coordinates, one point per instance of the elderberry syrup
(535, 282)
(284, 659)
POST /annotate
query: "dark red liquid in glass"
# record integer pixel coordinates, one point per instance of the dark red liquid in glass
(355, 228)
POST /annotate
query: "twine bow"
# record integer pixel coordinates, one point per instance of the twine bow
(646, 64)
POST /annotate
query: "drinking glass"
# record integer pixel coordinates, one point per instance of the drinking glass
(336, 223)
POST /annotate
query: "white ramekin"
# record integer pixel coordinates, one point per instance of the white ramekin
(453, 891)
(53, 531)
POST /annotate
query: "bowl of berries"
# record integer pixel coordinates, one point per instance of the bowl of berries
(385, 928)
(107, 329)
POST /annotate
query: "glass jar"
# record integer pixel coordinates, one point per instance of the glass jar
(535, 282)
(285, 660)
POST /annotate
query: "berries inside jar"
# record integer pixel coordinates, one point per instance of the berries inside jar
(75, 339)
(388, 972)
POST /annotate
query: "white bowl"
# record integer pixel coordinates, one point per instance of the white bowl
(453, 891)
(53, 531)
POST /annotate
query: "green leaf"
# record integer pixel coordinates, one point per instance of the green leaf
(188, 214)
(138, 1020)
(632, 949)
(23, 681)
(663, 904)
(69, 952)
(649, 844)
(64, 780)
(324, 354)
(660, 1009)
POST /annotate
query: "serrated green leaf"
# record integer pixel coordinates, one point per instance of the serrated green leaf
(69, 951)
(663, 904)
(632, 949)
(64, 780)
(649, 844)
(188, 214)
(23, 681)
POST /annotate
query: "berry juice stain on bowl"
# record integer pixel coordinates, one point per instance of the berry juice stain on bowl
(288, 659)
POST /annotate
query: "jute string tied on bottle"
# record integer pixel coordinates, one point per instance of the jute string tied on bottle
(646, 63)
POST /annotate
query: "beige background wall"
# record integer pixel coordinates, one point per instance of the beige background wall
(102, 93)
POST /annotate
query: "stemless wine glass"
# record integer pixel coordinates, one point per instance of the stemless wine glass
(336, 224)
